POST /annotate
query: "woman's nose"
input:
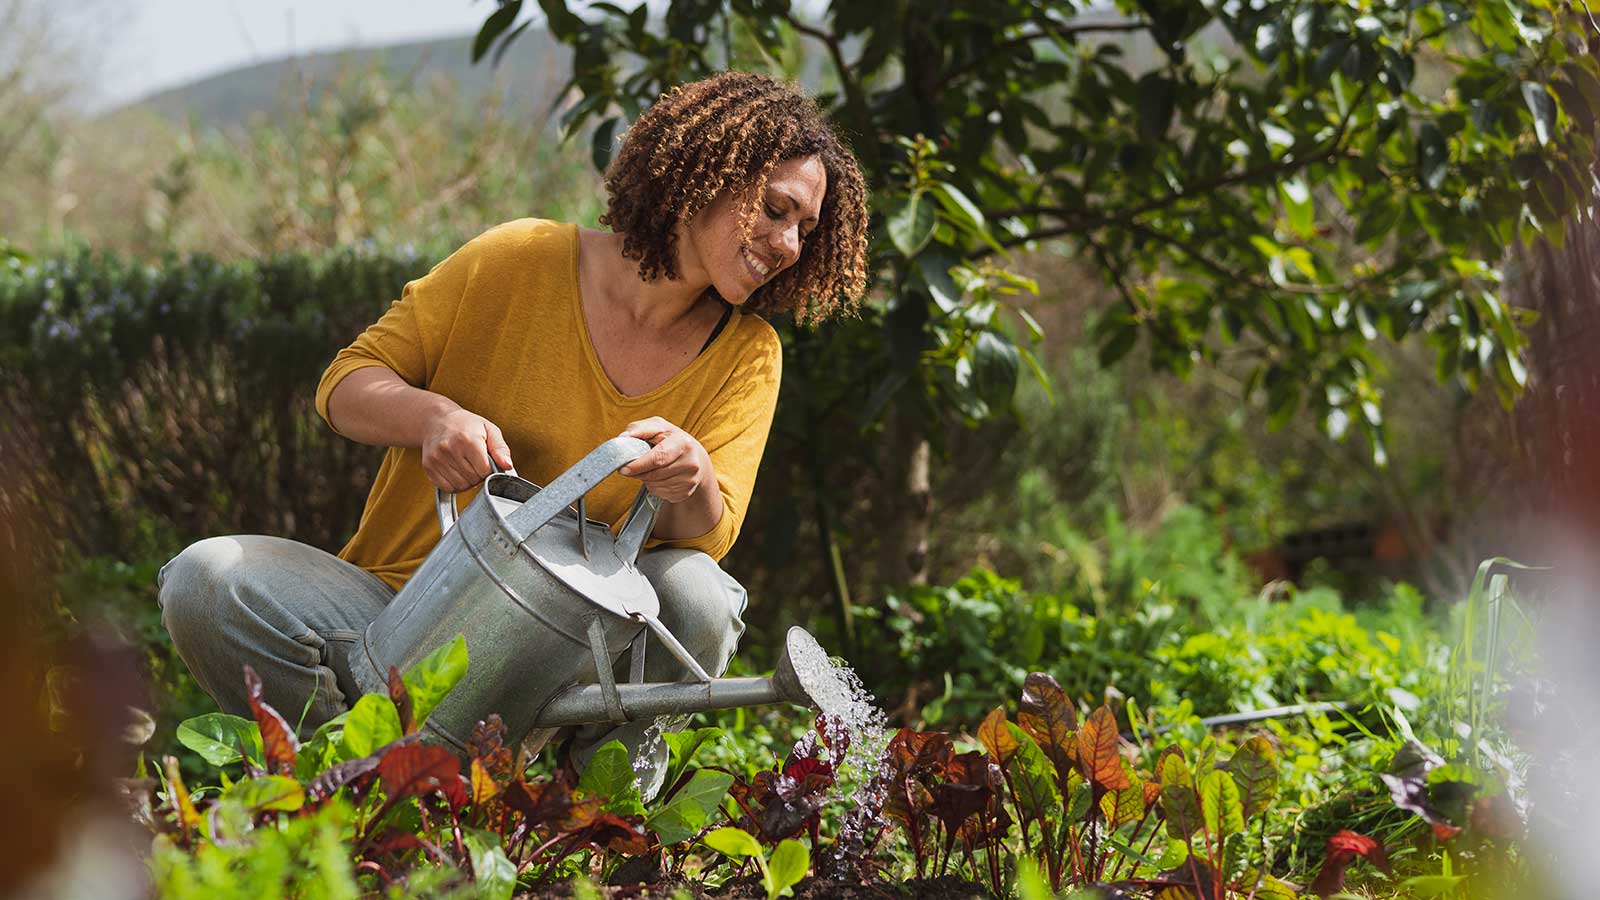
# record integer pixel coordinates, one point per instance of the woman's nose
(786, 242)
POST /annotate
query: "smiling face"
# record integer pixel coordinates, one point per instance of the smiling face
(712, 245)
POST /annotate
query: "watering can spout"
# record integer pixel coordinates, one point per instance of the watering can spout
(582, 704)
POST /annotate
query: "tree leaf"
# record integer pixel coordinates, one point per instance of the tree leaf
(1157, 99)
(610, 777)
(1098, 758)
(787, 867)
(1543, 107)
(494, 26)
(911, 225)
(690, 808)
(958, 207)
(1297, 203)
(219, 738)
(603, 141)
(733, 842)
(1433, 156)
(995, 364)
(434, 676)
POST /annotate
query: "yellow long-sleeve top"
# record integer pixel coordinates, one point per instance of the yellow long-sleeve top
(498, 327)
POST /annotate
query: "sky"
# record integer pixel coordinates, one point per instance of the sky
(144, 46)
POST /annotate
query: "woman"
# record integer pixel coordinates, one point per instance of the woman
(534, 343)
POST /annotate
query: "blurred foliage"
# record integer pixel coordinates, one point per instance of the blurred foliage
(176, 402)
(356, 156)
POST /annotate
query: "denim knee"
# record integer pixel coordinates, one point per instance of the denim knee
(702, 605)
(191, 584)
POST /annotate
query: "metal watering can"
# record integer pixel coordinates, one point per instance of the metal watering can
(546, 599)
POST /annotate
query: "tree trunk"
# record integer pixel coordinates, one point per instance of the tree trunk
(1560, 413)
(909, 508)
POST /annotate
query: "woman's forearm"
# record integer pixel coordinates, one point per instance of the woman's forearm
(373, 405)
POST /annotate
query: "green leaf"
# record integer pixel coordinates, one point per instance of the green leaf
(372, 723)
(560, 21)
(1543, 107)
(995, 363)
(1033, 776)
(691, 807)
(1156, 102)
(1329, 59)
(610, 776)
(733, 842)
(911, 225)
(681, 748)
(494, 876)
(786, 868)
(1179, 803)
(601, 143)
(1265, 886)
(1082, 798)
(218, 738)
(1433, 156)
(1575, 105)
(1254, 767)
(267, 792)
(1297, 203)
(934, 268)
(1219, 804)
(961, 210)
(1126, 805)
(432, 678)
(494, 26)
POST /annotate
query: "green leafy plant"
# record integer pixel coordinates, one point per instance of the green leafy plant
(787, 865)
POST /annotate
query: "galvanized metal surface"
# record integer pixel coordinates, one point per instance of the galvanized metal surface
(545, 599)
(521, 593)
(591, 703)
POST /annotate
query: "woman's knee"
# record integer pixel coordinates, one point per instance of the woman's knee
(192, 584)
(700, 603)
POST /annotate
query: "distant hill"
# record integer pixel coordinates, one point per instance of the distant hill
(530, 74)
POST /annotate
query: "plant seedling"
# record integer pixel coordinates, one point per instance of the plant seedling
(780, 874)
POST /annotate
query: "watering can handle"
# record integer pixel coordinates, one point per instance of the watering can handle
(445, 502)
(570, 486)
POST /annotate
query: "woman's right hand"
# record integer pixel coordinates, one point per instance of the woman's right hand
(457, 449)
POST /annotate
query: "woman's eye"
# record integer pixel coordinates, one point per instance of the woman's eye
(773, 213)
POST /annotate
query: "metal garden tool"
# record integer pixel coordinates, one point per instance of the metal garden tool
(548, 600)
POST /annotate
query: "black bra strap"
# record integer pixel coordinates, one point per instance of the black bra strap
(727, 313)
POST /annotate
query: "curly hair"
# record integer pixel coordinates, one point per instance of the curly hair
(729, 132)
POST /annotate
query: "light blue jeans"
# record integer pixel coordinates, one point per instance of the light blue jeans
(296, 614)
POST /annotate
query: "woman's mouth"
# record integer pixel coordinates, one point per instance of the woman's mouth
(760, 269)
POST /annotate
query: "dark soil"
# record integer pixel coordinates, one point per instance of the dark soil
(947, 888)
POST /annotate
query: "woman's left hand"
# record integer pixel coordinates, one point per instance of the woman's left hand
(675, 467)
